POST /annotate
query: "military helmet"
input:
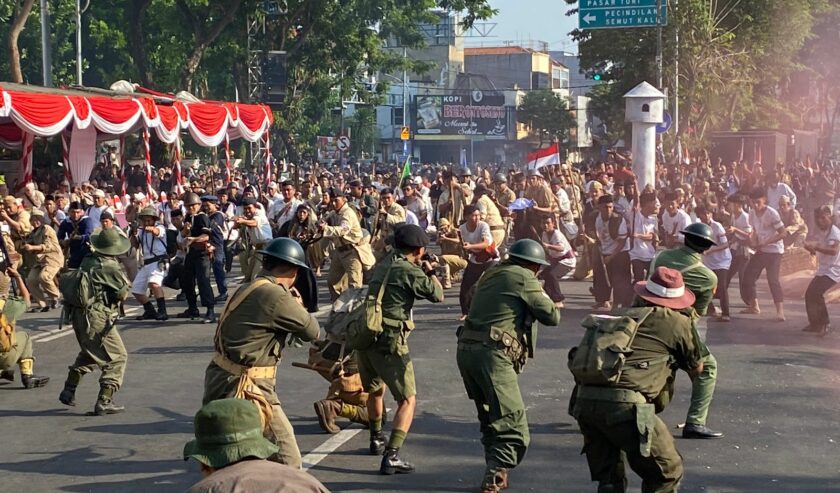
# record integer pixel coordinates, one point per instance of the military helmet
(148, 212)
(499, 178)
(287, 250)
(528, 250)
(700, 231)
(465, 172)
(191, 198)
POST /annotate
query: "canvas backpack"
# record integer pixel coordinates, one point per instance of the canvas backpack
(7, 335)
(356, 317)
(77, 288)
(599, 358)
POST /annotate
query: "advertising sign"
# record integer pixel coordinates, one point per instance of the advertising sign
(461, 116)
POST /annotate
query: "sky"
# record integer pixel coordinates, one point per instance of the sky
(523, 20)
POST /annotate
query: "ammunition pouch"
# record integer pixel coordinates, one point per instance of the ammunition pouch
(511, 345)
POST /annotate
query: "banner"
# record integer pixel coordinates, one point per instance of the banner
(461, 116)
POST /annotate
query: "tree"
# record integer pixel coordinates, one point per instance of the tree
(22, 9)
(547, 113)
(363, 127)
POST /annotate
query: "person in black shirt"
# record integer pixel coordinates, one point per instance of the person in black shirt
(218, 231)
(197, 262)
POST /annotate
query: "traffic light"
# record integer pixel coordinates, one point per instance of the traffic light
(596, 77)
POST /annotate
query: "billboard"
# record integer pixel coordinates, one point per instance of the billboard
(461, 116)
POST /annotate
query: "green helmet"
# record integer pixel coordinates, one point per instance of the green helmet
(700, 231)
(528, 250)
(191, 198)
(287, 250)
(499, 178)
(149, 212)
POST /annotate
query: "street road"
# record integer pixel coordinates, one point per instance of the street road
(777, 401)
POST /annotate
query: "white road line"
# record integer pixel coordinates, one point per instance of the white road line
(332, 444)
(68, 329)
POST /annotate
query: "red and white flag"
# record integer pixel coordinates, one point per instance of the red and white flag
(544, 157)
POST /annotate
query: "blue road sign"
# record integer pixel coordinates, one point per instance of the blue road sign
(616, 14)
(667, 121)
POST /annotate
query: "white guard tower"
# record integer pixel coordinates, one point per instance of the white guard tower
(644, 107)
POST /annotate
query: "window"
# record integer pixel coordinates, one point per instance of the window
(645, 108)
(560, 78)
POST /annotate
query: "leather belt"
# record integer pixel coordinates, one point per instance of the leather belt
(610, 394)
(253, 372)
(497, 228)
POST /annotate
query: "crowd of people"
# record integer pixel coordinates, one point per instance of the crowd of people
(83, 249)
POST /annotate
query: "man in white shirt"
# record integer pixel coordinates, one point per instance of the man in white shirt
(99, 206)
(284, 209)
(272, 195)
(151, 240)
(477, 238)
(644, 235)
(827, 249)
(612, 232)
(739, 235)
(767, 238)
(673, 221)
(718, 258)
(776, 189)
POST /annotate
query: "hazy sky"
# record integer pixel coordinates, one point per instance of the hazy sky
(522, 20)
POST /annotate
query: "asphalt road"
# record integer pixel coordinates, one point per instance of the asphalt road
(777, 401)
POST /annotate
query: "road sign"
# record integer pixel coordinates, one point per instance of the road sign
(405, 134)
(667, 121)
(343, 143)
(615, 14)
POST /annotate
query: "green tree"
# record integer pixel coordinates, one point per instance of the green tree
(547, 113)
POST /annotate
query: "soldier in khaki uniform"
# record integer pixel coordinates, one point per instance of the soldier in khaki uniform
(43, 256)
(504, 195)
(490, 214)
(493, 344)
(390, 214)
(17, 218)
(451, 202)
(95, 325)
(252, 332)
(451, 251)
(387, 363)
(342, 227)
(620, 420)
(20, 344)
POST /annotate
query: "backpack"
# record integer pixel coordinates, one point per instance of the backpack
(356, 316)
(77, 288)
(599, 359)
(7, 335)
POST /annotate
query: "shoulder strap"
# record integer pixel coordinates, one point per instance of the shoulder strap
(384, 282)
(691, 267)
(639, 321)
(232, 304)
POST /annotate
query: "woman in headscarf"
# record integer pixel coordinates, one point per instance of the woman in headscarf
(303, 228)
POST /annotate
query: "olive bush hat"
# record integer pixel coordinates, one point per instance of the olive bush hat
(109, 242)
(227, 431)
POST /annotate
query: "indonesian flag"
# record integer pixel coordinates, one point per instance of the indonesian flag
(544, 157)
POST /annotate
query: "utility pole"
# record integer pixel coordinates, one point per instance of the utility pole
(405, 99)
(659, 44)
(46, 50)
(79, 12)
(677, 74)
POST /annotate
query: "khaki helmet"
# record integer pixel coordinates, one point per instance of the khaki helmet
(148, 211)
(191, 198)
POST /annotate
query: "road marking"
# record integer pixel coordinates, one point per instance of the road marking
(332, 444)
(68, 328)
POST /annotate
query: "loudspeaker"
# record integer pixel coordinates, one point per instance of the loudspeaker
(275, 77)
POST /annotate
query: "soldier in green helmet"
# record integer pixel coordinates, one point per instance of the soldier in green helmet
(688, 259)
(259, 319)
(16, 345)
(94, 320)
(493, 344)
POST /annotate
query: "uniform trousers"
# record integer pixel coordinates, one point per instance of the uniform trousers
(702, 391)
(219, 271)
(493, 386)
(815, 300)
(41, 283)
(759, 262)
(611, 431)
(100, 347)
(197, 271)
(641, 269)
(552, 276)
(20, 351)
(345, 271)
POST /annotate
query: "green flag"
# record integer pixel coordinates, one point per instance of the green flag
(406, 172)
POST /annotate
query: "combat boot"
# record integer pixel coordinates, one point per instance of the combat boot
(105, 402)
(327, 410)
(377, 443)
(356, 414)
(149, 312)
(33, 381)
(393, 464)
(495, 480)
(7, 375)
(68, 395)
(161, 310)
(209, 316)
